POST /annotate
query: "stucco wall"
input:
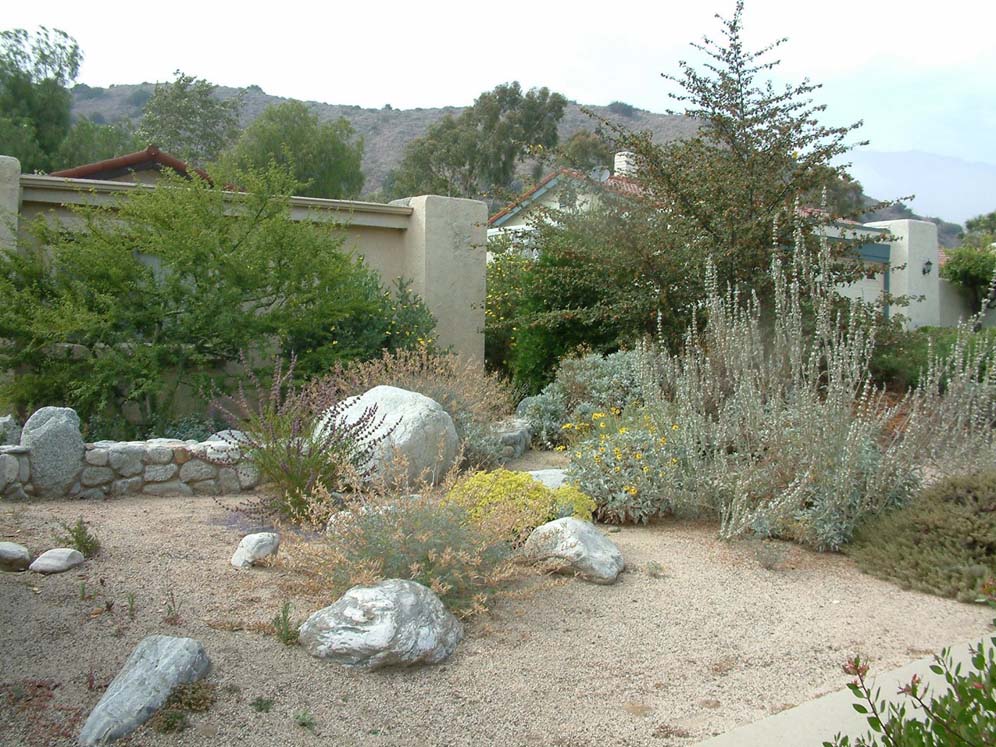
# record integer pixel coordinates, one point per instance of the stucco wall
(436, 242)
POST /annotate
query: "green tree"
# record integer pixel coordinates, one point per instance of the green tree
(728, 194)
(478, 152)
(324, 157)
(35, 70)
(187, 119)
(982, 224)
(89, 141)
(586, 150)
(165, 289)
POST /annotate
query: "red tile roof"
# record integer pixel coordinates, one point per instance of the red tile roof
(150, 158)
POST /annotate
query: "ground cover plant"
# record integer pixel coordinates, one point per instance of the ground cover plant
(516, 502)
(943, 543)
(79, 537)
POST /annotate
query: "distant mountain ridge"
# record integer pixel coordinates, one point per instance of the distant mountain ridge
(386, 131)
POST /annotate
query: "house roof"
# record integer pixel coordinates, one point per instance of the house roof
(144, 160)
(621, 184)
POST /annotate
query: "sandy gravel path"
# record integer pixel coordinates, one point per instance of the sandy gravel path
(715, 642)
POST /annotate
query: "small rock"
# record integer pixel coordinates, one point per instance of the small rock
(128, 486)
(10, 431)
(195, 470)
(552, 478)
(393, 623)
(9, 468)
(158, 454)
(14, 557)
(173, 487)
(254, 547)
(97, 457)
(160, 472)
(228, 481)
(126, 458)
(96, 476)
(91, 494)
(229, 436)
(584, 550)
(205, 487)
(15, 493)
(155, 668)
(248, 475)
(58, 560)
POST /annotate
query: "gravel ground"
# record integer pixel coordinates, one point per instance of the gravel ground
(696, 638)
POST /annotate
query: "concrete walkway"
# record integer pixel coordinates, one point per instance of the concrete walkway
(812, 723)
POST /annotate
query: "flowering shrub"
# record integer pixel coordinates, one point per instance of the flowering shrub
(516, 501)
(416, 537)
(546, 413)
(627, 469)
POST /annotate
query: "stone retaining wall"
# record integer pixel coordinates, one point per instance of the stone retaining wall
(160, 466)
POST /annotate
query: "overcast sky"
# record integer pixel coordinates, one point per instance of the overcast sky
(920, 80)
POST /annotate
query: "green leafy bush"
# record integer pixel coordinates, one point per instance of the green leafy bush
(415, 537)
(516, 501)
(474, 398)
(943, 543)
(963, 715)
(153, 298)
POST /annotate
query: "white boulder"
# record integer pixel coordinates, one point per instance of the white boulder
(155, 668)
(255, 547)
(58, 560)
(53, 435)
(551, 478)
(393, 623)
(424, 436)
(580, 547)
(14, 557)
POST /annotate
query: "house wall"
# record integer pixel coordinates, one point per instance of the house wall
(436, 242)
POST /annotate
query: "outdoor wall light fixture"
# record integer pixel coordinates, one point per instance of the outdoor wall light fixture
(927, 267)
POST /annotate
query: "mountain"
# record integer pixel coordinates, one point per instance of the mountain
(946, 186)
(385, 131)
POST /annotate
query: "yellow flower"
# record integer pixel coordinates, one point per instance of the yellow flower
(674, 460)
(617, 470)
(616, 411)
(631, 489)
(638, 456)
(624, 429)
(560, 448)
(674, 427)
(601, 425)
(566, 426)
(663, 440)
(597, 415)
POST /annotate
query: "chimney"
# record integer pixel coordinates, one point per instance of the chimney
(625, 163)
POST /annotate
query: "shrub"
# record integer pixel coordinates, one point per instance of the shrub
(546, 413)
(79, 537)
(100, 326)
(473, 397)
(625, 468)
(943, 543)
(964, 714)
(516, 501)
(782, 432)
(190, 697)
(284, 627)
(415, 537)
(299, 440)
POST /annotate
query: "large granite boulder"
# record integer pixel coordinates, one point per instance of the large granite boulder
(579, 547)
(10, 431)
(423, 436)
(155, 668)
(255, 547)
(14, 557)
(393, 623)
(53, 435)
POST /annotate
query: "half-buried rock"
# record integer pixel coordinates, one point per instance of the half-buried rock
(580, 547)
(57, 560)
(155, 668)
(14, 557)
(393, 623)
(255, 547)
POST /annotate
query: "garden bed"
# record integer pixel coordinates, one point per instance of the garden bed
(696, 638)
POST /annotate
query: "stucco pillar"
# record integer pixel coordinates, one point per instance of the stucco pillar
(914, 245)
(445, 251)
(10, 201)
